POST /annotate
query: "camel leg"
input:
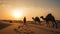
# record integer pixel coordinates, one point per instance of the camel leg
(48, 25)
(55, 25)
(39, 23)
(35, 22)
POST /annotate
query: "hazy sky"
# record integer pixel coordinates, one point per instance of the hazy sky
(30, 8)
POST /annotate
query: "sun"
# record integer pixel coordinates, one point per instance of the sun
(17, 13)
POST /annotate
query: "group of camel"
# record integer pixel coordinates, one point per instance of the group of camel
(49, 19)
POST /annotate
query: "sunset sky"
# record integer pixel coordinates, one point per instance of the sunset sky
(29, 8)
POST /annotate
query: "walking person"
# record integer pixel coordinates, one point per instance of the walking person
(24, 20)
(26, 24)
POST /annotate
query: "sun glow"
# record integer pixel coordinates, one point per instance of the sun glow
(17, 13)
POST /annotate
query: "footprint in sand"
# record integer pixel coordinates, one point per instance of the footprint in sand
(22, 32)
(16, 30)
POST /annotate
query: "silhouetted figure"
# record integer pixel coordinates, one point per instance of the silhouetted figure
(49, 18)
(24, 20)
(36, 19)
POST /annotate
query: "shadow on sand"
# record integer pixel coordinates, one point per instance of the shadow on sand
(3, 25)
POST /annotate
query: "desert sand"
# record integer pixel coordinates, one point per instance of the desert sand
(29, 28)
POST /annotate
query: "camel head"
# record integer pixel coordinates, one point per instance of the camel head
(41, 17)
(32, 17)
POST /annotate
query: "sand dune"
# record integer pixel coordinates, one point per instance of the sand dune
(30, 28)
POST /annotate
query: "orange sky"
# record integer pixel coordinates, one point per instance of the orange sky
(30, 8)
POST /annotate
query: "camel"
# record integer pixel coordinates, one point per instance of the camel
(36, 19)
(49, 18)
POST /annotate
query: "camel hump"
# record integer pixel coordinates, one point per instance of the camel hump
(37, 19)
(50, 17)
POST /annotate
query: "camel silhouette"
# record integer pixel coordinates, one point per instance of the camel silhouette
(36, 19)
(49, 18)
